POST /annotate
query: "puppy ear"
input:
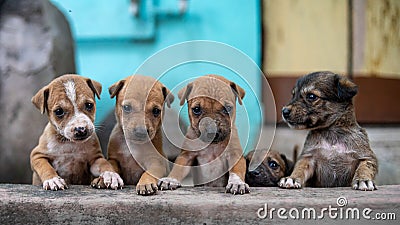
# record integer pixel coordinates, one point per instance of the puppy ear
(346, 89)
(184, 93)
(168, 96)
(238, 91)
(288, 164)
(115, 88)
(40, 99)
(95, 86)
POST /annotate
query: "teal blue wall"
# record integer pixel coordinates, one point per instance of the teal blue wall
(111, 44)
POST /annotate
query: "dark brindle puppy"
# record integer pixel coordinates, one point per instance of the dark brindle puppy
(336, 152)
(274, 166)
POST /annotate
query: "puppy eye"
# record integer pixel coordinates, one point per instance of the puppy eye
(89, 106)
(196, 110)
(311, 97)
(127, 108)
(273, 165)
(156, 111)
(59, 113)
(227, 109)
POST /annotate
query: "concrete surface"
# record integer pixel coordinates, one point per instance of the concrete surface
(27, 204)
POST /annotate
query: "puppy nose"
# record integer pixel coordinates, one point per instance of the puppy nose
(80, 132)
(140, 132)
(255, 172)
(285, 112)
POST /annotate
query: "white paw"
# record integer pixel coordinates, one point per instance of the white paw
(112, 180)
(364, 185)
(236, 185)
(55, 183)
(288, 182)
(167, 183)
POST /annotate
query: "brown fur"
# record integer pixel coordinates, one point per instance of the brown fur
(274, 166)
(142, 94)
(336, 151)
(75, 161)
(213, 96)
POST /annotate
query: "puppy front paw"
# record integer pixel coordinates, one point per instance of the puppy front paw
(288, 182)
(108, 179)
(363, 185)
(146, 189)
(167, 183)
(55, 183)
(236, 185)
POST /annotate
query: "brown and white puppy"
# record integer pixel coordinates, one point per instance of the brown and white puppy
(69, 150)
(274, 166)
(212, 144)
(135, 145)
(337, 151)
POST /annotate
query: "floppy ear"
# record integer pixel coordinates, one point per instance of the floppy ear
(346, 89)
(95, 86)
(168, 96)
(288, 164)
(238, 91)
(40, 99)
(115, 88)
(184, 93)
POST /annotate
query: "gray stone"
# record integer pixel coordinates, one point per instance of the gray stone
(36, 46)
(27, 204)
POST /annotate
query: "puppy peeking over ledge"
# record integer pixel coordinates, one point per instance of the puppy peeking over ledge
(336, 151)
(273, 167)
(69, 150)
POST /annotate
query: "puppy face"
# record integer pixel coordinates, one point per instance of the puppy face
(140, 105)
(70, 105)
(270, 171)
(318, 100)
(212, 106)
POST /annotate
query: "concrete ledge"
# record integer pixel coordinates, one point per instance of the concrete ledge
(27, 204)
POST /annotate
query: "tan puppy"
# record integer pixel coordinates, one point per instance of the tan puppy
(135, 146)
(212, 143)
(69, 150)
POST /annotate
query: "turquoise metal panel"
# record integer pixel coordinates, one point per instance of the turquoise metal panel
(111, 44)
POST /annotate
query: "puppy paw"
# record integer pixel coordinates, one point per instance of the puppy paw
(146, 189)
(167, 183)
(236, 185)
(98, 182)
(288, 182)
(363, 185)
(108, 179)
(55, 183)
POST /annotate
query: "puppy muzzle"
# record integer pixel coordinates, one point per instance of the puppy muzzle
(209, 131)
(139, 135)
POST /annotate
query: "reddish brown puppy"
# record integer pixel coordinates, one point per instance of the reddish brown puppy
(212, 143)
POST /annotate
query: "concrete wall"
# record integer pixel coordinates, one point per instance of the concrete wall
(307, 35)
(35, 47)
(303, 36)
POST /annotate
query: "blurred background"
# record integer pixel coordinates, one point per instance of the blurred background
(109, 40)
